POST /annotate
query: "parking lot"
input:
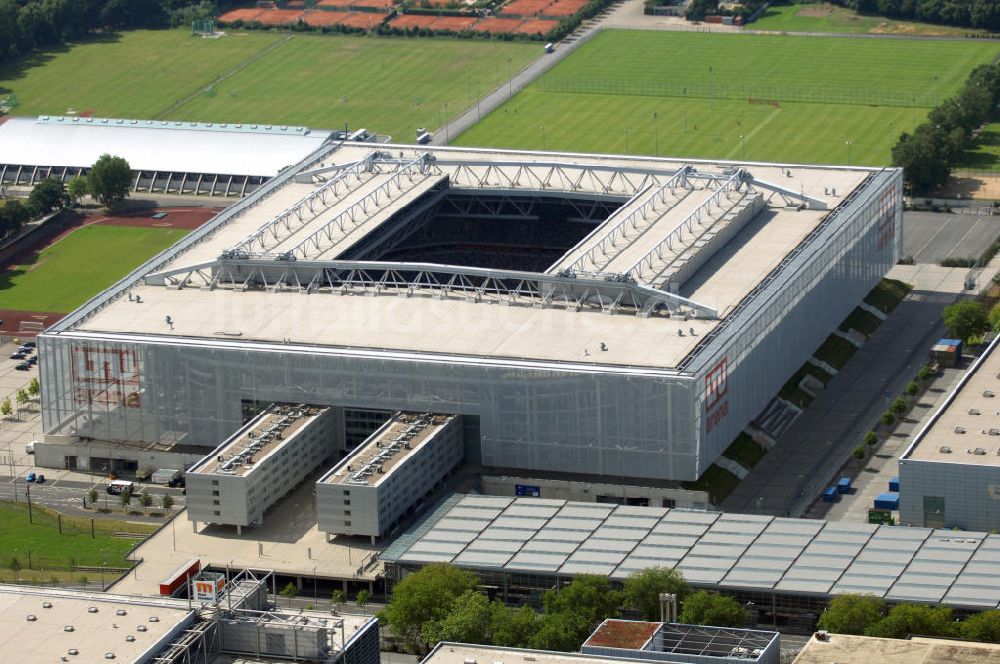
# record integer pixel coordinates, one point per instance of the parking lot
(932, 236)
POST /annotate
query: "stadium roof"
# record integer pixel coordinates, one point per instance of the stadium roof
(180, 147)
(716, 233)
(966, 429)
(849, 649)
(465, 653)
(712, 549)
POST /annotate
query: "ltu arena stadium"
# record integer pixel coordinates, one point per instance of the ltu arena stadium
(602, 315)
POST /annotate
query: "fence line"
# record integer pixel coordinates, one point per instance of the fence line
(752, 93)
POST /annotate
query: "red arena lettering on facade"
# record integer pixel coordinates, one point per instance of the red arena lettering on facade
(716, 387)
(109, 377)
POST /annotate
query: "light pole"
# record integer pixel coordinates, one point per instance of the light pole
(743, 143)
(543, 137)
(447, 122)
(510, 81)
(849, 145)
(656, 133)
(711, 89)
(626, 140)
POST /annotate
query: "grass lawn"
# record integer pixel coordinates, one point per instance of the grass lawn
(391, 86)
(717, 481)
(822, 17)
(984, 155)
(745, 451)
(88, 260)
(52, 551)
(836, 351)
(862, 321)
(887, 294)
(637, 92)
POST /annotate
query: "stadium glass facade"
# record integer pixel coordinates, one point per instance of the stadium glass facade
(668, 424)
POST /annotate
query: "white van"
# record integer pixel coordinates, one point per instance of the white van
(116, 487)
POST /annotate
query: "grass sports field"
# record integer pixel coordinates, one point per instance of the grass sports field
(69, 272)
(822, 17)
(390, 86)
(755, 97)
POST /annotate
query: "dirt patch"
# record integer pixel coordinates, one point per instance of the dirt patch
(12, 319)
(968, 185)
(816, 11)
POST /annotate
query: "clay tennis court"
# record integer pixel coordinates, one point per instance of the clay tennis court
(525, 8)
(404, 21)
(320, 18)
(180, 218)
(366, 20)
(495, 25)
(562, 8)
(455, 23)
(279, 16)
(246, 14)
(537, 27)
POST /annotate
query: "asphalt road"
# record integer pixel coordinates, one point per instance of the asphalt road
(67, 496)
(931, 236)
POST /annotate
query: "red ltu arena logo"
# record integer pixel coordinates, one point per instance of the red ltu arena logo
(716, 387)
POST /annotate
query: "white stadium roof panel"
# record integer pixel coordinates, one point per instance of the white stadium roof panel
(482, 559)
(497, 502)
(181, 147)
(892, 562)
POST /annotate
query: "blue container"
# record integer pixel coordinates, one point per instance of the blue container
(844, 485)
(830, 495)
(894, 484)
(887, 501)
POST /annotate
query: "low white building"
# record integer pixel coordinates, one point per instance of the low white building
(366, 493)
(260, 463)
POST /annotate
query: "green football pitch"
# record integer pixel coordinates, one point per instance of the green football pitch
(824, 17)
(388, 85)
(753, 97)
(85, 262)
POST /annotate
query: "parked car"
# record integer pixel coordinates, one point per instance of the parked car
(30, 477)
(32, 360)
(24, 348)
(29, 344)
(40, 479)
(177, 482)
(23, 366)
(18, 355)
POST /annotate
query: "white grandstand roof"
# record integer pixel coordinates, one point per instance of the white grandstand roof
(711, 549)
(180, 147)
(311, 220)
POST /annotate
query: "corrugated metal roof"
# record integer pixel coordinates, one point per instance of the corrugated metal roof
(733, 551)
(182, 147)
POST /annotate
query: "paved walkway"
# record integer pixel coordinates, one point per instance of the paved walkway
(790, 477)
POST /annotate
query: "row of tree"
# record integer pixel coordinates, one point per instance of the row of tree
(929, 153)
(26, 25)
(108, 182)
(442, 603)
(984, 14)
(869, 615)
(969, 319)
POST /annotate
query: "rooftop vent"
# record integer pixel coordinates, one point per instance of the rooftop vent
(91, 609)
(973, 411)
(68, 628)
(988, 393)
(979, 451)
(120, 612)
(32, 617)
(130, 638)
(141, 628)
(995, 432)
(959, 429)
(72, 651)
(944, 449)
(46, 605)
(154, 619)
(109, 655)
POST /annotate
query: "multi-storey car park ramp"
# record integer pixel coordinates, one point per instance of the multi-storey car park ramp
(582, 313)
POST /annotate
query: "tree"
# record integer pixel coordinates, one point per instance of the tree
(642, 589)
(337, 597)
(887, 418)
(912, 389)
(15, 567)
(48, 194)
(125, 498)
(13, 214)
(78, 188)
(559, 631)
(708, 608)
(22, 397)
(994, 317)
(145, 500)
(906, 619)
(167, 501)
(984, 626)
(5, 408)
(290, 591)
(92, 497)
(965, 319)
(871, 439)
(469, 621)
(589, 596)
(361, 598)
(33, 388)
(109, 180)
(426, 595)
(898, 406)
(513, 628)
(852, 614)
(858, 452)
